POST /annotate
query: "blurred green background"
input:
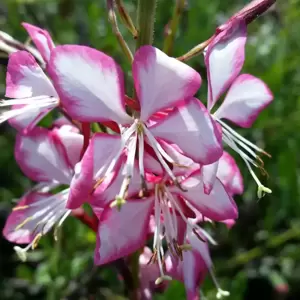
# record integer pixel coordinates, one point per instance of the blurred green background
(259, 258)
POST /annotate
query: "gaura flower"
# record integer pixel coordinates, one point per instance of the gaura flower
(90, 85)
(118, 236)
(247, 95)
(194, 266)
(33, 93)
(47, 157)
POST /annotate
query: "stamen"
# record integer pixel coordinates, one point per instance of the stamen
(23, 223)
(237, 135)
(160, 279)
(261, 188)
(220, 293)
(20, 207)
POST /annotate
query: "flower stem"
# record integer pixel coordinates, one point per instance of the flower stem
(134, 267)
(113, 20)
(248, 14)
(126, 18)
(273, 242)
(145, 20)
(195, 51)
(171, 32)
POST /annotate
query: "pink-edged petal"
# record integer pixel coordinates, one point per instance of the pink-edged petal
(191, 271)
(42, 157)
(36, 213)
(90, 84)
(217, 206)
(229, 223)
(224, 60)
(72, 141)
(230, 175)
(100, 152)
(192, 129)
(161, 81)
(23, 235)
(41, 39)
(209, 175)
(26, 121)
(183, 164)
(116, 236)
(25, 78)
(246, 98)
(102, 195)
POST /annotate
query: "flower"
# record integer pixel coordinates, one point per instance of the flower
(91, 88)
(33, 93)
(47, 157)
(194, 266)
(247, 95)
(123, 232)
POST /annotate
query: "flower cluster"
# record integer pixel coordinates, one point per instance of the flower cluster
(152, 166)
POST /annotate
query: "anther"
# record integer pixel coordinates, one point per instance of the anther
(198, 235)
(119, 202)
(160, 279)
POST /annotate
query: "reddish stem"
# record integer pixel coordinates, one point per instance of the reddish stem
(86, 131)
(90, 221)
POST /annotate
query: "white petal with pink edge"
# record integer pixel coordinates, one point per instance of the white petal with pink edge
(224, 60)
(217, 206)
(103, 196)
(246, 98)
(36, 213)
(42, 156)
(230, 175)
(209, 173)
(26, 119)
(41, 38)
(192, 129)
(161, 81)
(90, 84)
(72, 142)
(116, 236)
(103, 150)
(25, 78)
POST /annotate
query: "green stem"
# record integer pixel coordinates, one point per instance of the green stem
(52, 292)
(145, 20)
(171, 32)
(134, 268)
(274, 242)
(195, 51)
(113, 20)
(126, 18)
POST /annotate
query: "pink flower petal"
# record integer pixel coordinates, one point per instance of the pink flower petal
(90, 84)
(116, 236)
(25, 78)
(102, 196)
(26, 121)
(72, 142)
(230, 175)
(224, 60)
(25, 234)
(101, 151)
(161, 81)
(192, 129)
(36, 213)
(246, 98)
(183, 165)
(217, 206)
(42, 40)
(209, 173)
(42, 157)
